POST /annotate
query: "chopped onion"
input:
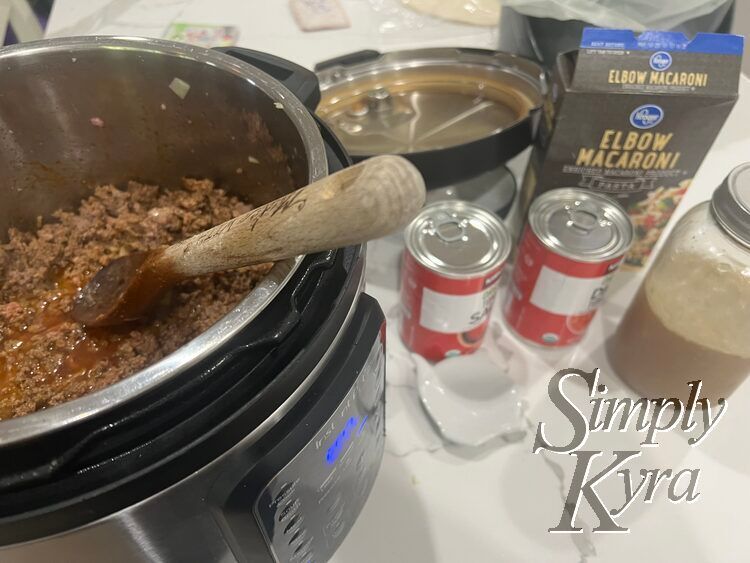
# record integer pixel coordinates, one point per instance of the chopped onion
(179, 87)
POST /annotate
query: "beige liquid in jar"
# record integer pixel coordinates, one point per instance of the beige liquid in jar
(689, 321)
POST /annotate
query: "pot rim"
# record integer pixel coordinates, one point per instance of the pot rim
(27, 427)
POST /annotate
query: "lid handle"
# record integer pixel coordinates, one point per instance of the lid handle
(348, 59)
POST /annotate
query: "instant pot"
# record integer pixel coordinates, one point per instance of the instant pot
(260, 439)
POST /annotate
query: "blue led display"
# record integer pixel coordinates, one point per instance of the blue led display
(352, 428)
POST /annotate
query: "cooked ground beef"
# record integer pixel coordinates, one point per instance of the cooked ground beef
(46, 358)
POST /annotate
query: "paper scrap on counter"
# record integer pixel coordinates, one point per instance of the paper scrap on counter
(203, 35)
(474, 12)
(416, 433)
(317, 15)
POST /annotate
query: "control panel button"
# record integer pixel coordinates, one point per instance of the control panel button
(298, 535)
(338, 529)
(293, 523)
(338, 513)
(303, 557)
(337, 500)
(302, 548)
(288, 511)
(285, 490)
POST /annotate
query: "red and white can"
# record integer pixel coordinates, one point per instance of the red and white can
(572, 244)
(455, 253)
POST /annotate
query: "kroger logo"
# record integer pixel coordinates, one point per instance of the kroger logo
(660, 61)
(645, 117)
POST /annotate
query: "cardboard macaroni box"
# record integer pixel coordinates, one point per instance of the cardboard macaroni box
(633, 116)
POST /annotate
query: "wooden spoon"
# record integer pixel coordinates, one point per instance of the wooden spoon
(357, 204)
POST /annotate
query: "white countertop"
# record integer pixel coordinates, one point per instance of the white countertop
(438, 502)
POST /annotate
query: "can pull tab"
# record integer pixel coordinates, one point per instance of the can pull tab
(582, 220)
(451, 229)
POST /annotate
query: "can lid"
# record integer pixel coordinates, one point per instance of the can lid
(581, 225)
(458, 239)
(731, 204)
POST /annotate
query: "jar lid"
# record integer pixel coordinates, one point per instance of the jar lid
(457, 239)
(581, 225)
(731, 204)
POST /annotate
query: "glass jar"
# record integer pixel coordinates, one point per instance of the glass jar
(691, 317)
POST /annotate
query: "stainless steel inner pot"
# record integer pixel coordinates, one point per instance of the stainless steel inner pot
(79, 112)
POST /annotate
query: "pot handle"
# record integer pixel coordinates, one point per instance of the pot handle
(348, 59)
(300, 81)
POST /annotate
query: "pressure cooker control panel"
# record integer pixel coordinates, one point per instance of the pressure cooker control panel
(307, 508)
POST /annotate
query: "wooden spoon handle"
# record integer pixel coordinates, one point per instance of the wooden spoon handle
(357, 204)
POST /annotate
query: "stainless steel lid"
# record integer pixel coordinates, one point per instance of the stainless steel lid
(409, 102)
(581, 225)
(458, 239)
(731, 204)
(493, 190)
